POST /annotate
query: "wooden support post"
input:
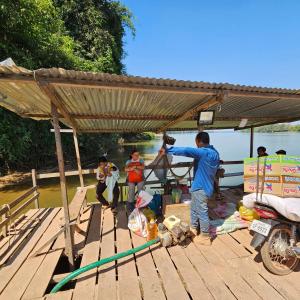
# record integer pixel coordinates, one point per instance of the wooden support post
(69, 238)
(78, 158)
(251, 141)
(5, 227)
(34, 184)
(190, 178)
(121, 194)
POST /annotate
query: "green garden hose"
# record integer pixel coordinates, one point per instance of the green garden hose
(101, 262)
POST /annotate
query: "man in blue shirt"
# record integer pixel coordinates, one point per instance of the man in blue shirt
(206, 163)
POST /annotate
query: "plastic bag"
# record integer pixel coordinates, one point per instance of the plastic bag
(149, 213)
(156, 204)
(137, 223)
(143, 199)
(248, 214)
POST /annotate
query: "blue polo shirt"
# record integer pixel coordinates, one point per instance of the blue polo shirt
(206, 163)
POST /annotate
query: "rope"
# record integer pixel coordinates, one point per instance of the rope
(165, 158)
(172, 172)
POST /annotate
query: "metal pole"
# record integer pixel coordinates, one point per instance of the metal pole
(251, 141)
(34, 184)
(200, 128)
(78, 158)
(60, 158)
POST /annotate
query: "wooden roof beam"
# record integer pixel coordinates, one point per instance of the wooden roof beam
(57, 101)
(104, 117)
(250, 118)
(216, 99)
(121, 117)
(144, 117)
(127, 130)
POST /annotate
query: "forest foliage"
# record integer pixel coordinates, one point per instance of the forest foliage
(75, 34)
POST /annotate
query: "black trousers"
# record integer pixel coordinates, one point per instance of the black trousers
(101, 187)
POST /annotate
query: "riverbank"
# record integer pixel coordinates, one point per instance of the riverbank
(16, 178)
(20, 178)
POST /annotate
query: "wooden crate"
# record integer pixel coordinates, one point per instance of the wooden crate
(181, 210)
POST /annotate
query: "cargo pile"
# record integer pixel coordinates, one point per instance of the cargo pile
(275, 174)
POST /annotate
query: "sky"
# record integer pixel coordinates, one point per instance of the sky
(249, 42)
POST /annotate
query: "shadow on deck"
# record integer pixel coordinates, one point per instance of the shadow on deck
(229, 269)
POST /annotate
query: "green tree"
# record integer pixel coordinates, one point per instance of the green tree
(32, 33)
(98, 27)
(25, 143)
(81, 35)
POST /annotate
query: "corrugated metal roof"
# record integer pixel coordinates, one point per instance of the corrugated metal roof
(106, 102)
(58, 73)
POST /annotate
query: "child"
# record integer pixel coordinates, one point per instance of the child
(135, 176)
(105, 170)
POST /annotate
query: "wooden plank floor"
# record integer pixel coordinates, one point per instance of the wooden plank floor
(230, 269)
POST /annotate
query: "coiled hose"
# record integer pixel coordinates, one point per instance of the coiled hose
(101, 262)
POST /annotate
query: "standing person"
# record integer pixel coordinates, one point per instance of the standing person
(135, 176)
(105, 170)
(206, 163)
(262, 151)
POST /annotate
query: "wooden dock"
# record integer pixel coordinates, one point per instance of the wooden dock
(230, 269)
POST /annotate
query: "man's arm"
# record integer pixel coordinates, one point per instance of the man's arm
(185, 151)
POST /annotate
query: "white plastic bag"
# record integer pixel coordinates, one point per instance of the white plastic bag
(137, 223)
(143, 199)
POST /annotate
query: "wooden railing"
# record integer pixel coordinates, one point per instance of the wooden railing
(9, 212)
(148, 167)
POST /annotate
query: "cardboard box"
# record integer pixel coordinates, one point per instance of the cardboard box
(271, 164)
(290, 190)
(290, 186)
(290, 165)
(181, 210)
(282, 186)
(272, 185)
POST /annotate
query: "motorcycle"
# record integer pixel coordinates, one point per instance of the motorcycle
(277, 238)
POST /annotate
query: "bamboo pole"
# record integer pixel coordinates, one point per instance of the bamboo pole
(68, 232)
(34, 184)
(78, 158)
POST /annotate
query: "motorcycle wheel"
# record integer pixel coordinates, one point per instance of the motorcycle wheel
(274, 254)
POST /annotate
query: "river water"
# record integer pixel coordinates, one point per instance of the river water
(231, 146)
